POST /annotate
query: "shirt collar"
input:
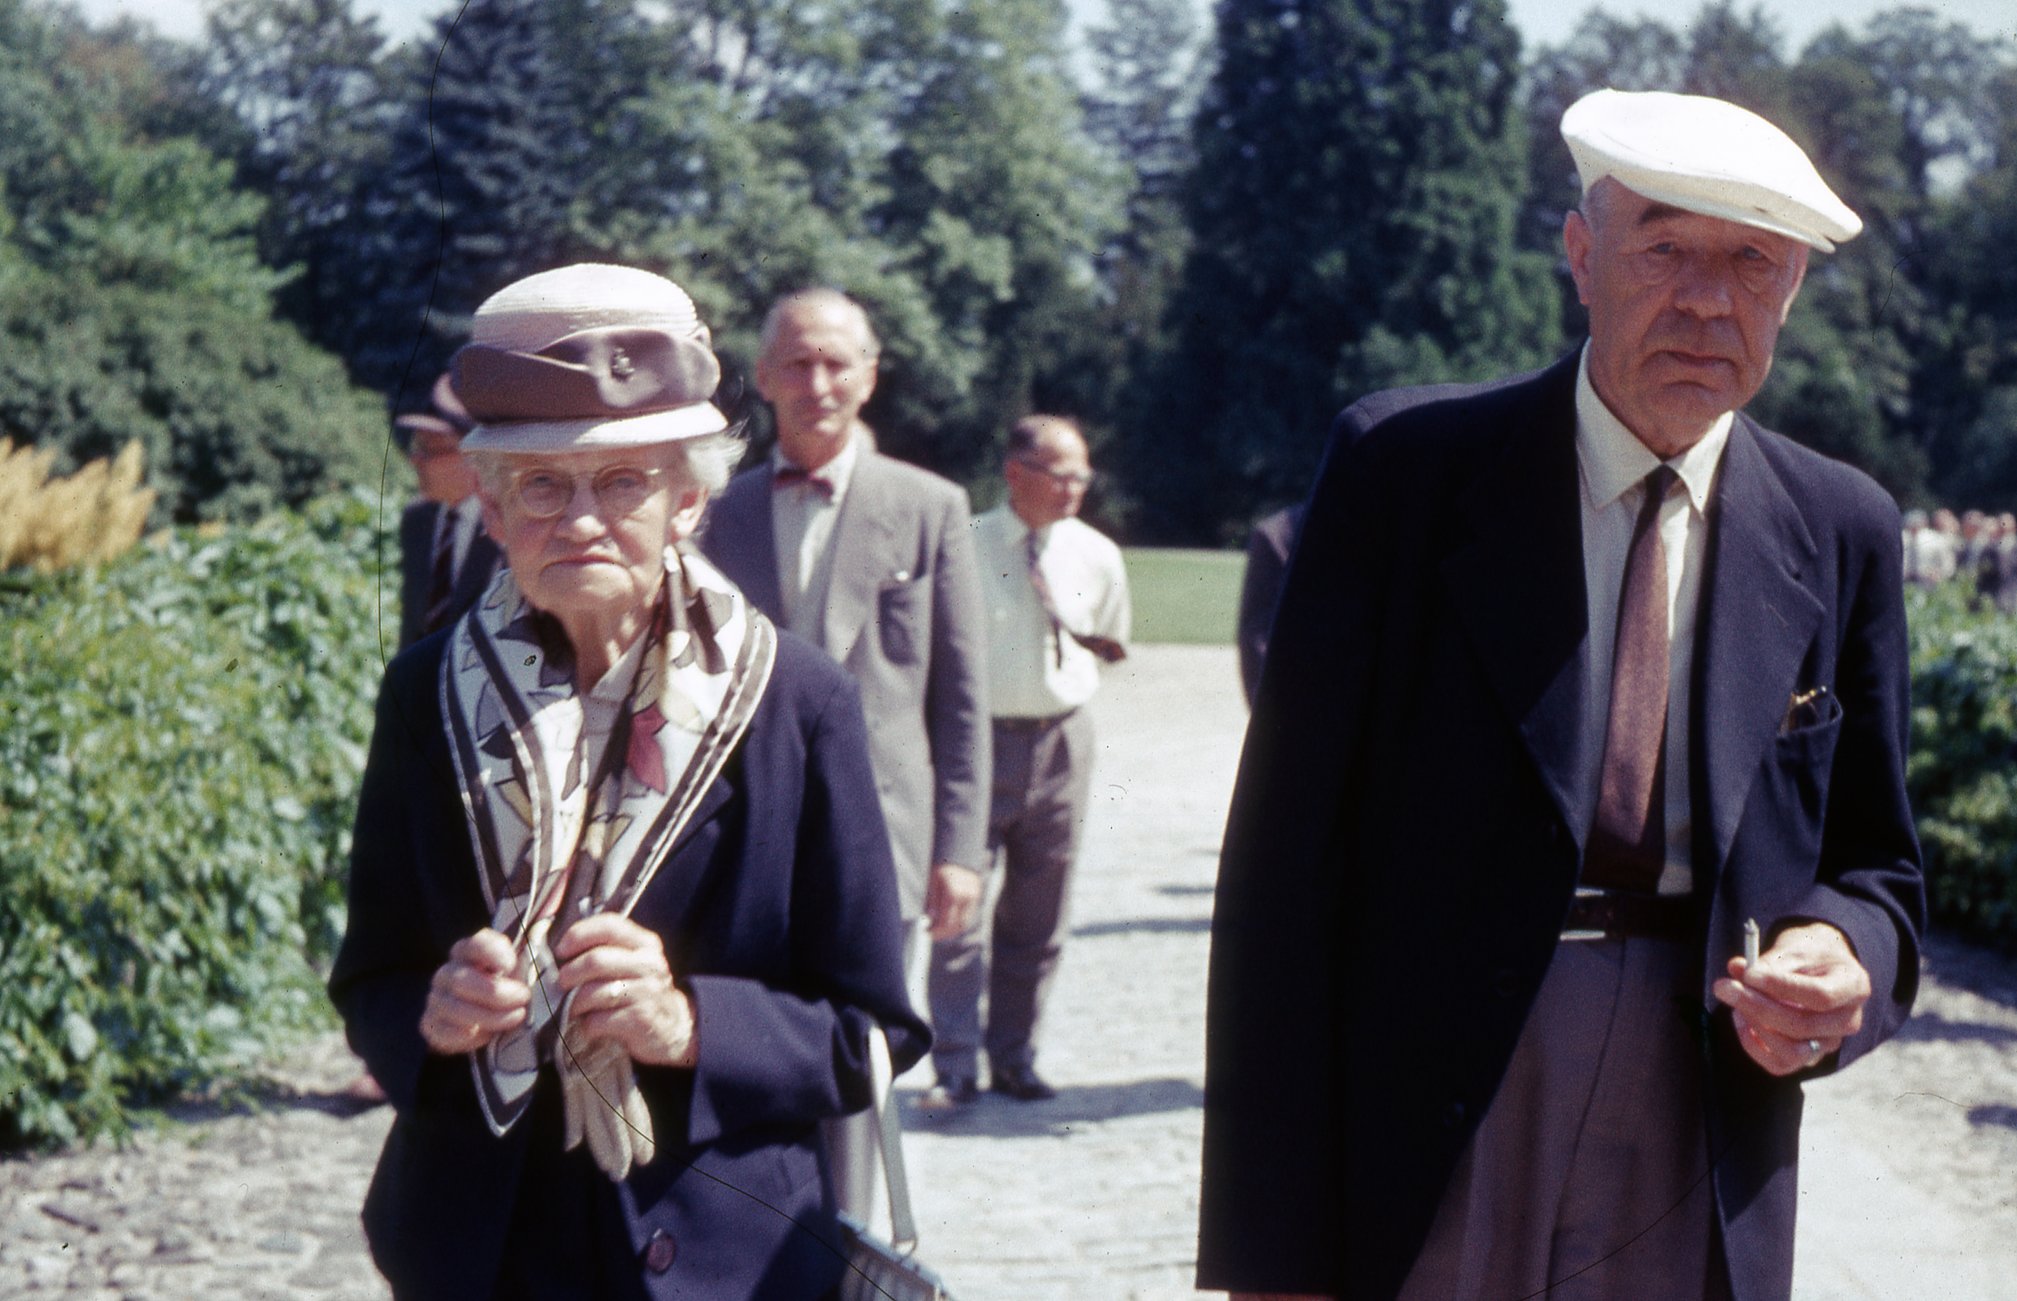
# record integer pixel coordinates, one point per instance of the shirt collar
(1613, 458)
(1020, 531)
(839, 471)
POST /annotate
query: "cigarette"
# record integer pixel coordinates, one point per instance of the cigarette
(1750, 941)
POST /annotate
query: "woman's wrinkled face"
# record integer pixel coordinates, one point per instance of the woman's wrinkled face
(585, 532)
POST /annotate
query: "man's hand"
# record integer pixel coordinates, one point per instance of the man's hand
(951, 899)
(623, 991)
(475, 996)
(1800, 1002)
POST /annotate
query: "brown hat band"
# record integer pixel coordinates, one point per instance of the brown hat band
(602, 373)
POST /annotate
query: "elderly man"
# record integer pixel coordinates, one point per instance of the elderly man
(445, 558)
(871, 560)
(1057, 602)
(1483, 1021)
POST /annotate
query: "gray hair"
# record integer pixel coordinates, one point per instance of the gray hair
(822, 299)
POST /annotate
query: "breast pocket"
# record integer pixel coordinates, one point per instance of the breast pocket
(900, 611)
(1797, 779)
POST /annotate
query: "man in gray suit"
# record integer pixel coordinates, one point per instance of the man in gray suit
(872, 560)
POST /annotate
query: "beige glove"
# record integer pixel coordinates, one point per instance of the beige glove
(600, 1102)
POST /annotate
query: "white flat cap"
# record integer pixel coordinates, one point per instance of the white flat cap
(1708, 156)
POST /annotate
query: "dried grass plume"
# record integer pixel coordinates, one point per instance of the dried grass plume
(85, 519)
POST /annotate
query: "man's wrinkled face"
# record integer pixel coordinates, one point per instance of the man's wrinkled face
(1685, 310)
(817, 372)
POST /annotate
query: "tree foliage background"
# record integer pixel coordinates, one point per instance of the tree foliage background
(1201, 238)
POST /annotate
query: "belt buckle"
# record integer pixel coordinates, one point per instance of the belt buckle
(1583, 935)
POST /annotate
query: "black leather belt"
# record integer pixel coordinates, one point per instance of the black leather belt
(1607, 915)
(1044, 724)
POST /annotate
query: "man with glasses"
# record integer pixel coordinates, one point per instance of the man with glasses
(1057, 609)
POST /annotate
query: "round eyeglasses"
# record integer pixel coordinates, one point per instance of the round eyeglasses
(1062, 478)
(620, 490)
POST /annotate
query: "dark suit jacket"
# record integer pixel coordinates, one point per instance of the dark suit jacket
(1268, 549)
(779, 915)
(416, 561)
(904, 617)
(1404, 839)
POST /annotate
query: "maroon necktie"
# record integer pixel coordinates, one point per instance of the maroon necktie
(1628, 842)
(1107, 649)
(788, 475)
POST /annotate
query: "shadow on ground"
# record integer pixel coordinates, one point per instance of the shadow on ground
(995, 1116)
(1145, 926)
(1931, 1027)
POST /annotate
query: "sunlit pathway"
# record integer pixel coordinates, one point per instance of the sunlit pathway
(1907, 1194)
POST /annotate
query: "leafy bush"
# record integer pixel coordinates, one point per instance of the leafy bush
(1960, 771)
(179, 756)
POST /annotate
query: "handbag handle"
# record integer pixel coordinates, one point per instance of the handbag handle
(902, 1227)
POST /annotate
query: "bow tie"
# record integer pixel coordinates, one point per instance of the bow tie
(790, 476)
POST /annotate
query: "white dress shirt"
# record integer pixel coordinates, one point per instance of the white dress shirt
(1614, 465)
(801, 522)
(1033, 672)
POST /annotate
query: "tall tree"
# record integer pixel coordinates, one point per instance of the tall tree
(996, 208)
(515, 110)
(1145, 60)
(1353, 209)
(1976, 464)
(305, 80)
(133, 304)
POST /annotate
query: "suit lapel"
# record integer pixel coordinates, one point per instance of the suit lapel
(1518, 583)
(1758, 618)
(741, 541)
(858, 557)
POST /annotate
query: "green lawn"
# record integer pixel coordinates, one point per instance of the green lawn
(1184, 595)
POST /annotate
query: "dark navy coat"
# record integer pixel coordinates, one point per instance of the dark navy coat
(1404, 838)
(779, 914)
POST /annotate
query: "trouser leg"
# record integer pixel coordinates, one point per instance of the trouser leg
(1039, 848)
(959, 964)
(1588, 1177)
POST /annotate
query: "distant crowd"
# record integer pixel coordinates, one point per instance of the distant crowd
(1974, 546)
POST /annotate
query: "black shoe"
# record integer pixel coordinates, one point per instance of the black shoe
(951, 1093)
(1022, 1083)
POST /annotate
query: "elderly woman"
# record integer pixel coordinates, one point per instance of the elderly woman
(622, 912)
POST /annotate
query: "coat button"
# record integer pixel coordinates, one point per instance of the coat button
(661, 1251)
(1505, 982)
(1453, 1116)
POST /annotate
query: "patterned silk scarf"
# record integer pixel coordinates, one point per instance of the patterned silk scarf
(553, 841)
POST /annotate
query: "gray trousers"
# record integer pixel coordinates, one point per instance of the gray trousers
(1589, 1175)
(1042, 783)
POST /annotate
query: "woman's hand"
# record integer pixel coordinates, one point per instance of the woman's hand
(475, 996)
(623, 991)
